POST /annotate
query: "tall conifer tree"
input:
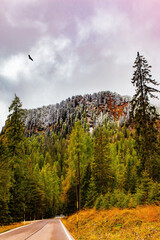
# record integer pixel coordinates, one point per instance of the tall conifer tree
(14, 129)
(5, 181)
(143, 114)
(14, 139)
(101, 169)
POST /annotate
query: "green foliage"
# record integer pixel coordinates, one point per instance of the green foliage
(79, 153)
(14, 129)
(44, 175)
(117, 198)
(5, 184)
(30, 171)
(92, 193)
(85, 185)
(101, 169)
(144, 115)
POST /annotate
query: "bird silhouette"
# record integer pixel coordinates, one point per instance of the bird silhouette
(30, 58)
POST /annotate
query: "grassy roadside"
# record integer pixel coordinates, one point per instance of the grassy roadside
(12, 226)
(140, 223)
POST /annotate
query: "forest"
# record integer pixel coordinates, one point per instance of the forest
(115, 165)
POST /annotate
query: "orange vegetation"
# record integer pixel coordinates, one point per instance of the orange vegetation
(140, 223)
(12, 226)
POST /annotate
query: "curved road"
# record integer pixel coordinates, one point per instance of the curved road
(51, 229)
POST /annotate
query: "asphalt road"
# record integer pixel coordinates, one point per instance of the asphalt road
(51, 229)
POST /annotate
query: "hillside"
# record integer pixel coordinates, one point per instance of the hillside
(92, 108)
(140, 223)
(113, 166)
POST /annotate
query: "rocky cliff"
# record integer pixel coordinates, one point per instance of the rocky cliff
(91, 109)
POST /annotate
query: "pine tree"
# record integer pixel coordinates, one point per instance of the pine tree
(14, 128)
(14, 139)
(5, 182)
(101, 169)
(143, 114)
(92, 193)
(85, 184)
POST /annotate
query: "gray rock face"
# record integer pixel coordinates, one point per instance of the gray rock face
(92, 108)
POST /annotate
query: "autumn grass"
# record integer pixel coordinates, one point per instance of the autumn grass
(12, 226)
(115, 224)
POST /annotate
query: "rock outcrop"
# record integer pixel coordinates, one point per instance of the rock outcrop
(93, 109)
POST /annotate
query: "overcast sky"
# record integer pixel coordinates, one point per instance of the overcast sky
(78, 47)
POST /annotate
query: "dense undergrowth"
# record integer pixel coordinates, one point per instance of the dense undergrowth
(116, 224)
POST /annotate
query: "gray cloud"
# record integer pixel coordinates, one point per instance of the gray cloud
(78, 47)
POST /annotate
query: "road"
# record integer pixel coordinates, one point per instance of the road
(51, 229)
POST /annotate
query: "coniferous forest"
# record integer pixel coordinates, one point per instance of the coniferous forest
(117, 164)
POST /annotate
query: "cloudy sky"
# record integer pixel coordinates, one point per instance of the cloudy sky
(78, 47)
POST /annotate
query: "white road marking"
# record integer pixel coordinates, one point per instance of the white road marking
(66, 231)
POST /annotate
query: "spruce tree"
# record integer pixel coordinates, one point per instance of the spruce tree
(92, 193)
(144, 114)
(5, 182)
(85, 184)
(14, 138)
(14, 128)
(101, 169)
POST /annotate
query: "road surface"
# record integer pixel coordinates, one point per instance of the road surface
(51, 229)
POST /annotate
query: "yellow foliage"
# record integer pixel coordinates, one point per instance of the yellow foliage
(12, 226)
(127, 224)
(66, 186)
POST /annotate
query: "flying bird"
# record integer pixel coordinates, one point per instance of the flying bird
(30, 58)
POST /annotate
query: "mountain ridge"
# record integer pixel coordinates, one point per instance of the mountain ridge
(91, 109)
